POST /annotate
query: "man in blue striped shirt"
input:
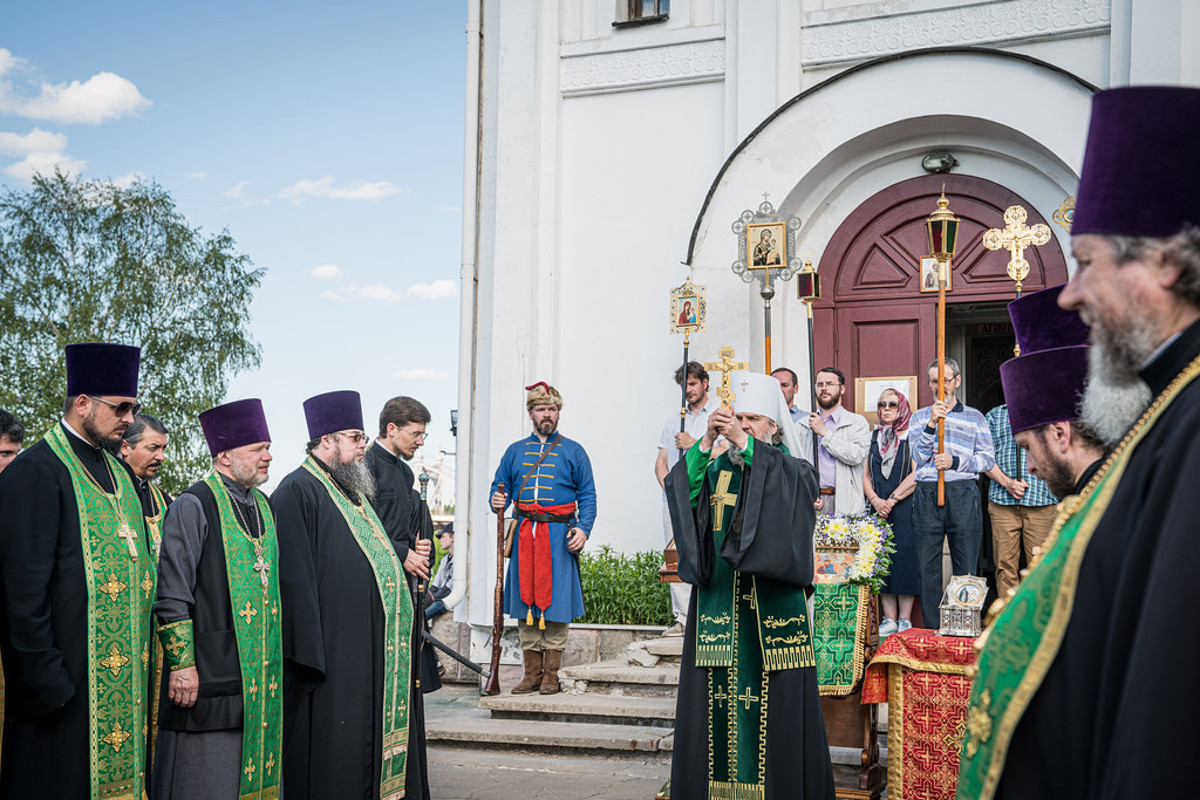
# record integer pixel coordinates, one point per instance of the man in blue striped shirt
(968, 451)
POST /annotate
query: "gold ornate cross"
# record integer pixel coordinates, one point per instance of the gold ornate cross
(722, 499)
(248, 613)
(112, 587)
(720, 697)
(1015, 237)
(249, 770)
(130, 538)
(115, 661)
(725, 366)
(262, 568)
(747, 698)
(117, 737)
(253, 690)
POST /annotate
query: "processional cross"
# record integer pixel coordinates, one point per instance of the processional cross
(1015, 237)
(726, 366)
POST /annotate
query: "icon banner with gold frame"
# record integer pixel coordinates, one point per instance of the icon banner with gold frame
(688, 308)
(766, 243)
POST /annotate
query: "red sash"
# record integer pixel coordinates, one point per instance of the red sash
(533, 557)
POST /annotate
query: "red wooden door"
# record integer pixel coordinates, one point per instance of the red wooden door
(872, 319)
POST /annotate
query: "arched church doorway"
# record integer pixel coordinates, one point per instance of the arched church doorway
(874, 321)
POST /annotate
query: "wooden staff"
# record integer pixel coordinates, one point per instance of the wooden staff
(683, 407)
(493, 683)
(943, 271)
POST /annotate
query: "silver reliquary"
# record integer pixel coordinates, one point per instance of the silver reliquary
(962, 605)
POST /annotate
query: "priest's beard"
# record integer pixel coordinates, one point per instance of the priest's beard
(247, 475)
(1057, 474)
(1115, 395)
(356, 477)
(111, 444)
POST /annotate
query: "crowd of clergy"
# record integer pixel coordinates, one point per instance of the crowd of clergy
(226, 644)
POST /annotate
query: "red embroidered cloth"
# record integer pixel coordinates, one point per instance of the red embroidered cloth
(922, 677)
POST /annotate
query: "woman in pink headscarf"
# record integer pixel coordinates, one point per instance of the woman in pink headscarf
(889, 479)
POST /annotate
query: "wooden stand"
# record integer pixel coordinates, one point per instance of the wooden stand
(849, 723)
(669, 571)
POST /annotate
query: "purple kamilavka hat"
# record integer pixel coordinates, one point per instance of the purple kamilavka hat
(98, 368)
(1043, 384)
(1141, 166)
(333, 411)
(233, 425)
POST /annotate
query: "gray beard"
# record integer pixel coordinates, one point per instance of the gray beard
(356, 477)
(247, 477)
(1114, 395)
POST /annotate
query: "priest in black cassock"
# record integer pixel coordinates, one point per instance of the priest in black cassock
(347, 619)
(78, 577)
(1084, 687)
(748, 721)
(407, 520)
(144, 449)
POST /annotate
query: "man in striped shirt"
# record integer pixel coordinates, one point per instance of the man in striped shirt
(968, 451)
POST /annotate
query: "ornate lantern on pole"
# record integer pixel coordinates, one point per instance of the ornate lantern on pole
(942, 227)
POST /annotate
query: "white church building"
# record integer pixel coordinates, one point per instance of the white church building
(612, 144)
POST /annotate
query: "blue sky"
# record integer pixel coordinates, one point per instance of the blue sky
(327, 139)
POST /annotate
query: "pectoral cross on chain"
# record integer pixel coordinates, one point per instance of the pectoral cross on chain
(725, 366)
(262, 568)
(722, 499)
(127, 533)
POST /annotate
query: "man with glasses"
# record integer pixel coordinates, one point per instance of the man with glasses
(844, 439)
(347, 618)
(78, 577)
(968, 451)
(406, 519)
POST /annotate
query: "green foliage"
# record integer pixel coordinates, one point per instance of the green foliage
(90, 261)
(623, 589)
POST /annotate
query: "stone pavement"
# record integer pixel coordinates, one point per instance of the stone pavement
(456, 774)
(480, 772)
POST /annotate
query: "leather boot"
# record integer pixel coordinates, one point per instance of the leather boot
(550, 665)
(533, 672)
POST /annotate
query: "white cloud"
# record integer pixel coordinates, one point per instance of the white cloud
(196, 176)
(125, 181)
(327, 272)
(432, 291)
(237, 191)
(307, 189)
(378, 291)
(41, 152)
(102, 97)
(420, 375)
(419, 291)
(330, 294)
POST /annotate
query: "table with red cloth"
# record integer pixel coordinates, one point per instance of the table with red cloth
(923, 679)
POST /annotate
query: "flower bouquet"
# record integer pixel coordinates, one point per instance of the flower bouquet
(867, 537)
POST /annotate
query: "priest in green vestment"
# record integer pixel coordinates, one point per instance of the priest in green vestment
(347, 619)
(748, 720)
(221, 705)
(77, 580)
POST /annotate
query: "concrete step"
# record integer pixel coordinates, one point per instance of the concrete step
(620, 678)
(665, 648)
(583, 708)
(478, 730)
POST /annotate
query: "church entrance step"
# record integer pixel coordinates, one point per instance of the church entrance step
(478, 730)
(583, 708)
(620, 678)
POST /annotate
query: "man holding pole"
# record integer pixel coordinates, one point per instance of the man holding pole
(968, 451)
(550, 480)
(671, 444)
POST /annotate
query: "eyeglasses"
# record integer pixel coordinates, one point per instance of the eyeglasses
(827, 384)
(122, 408)
(354, 436)
(418, 436)
(888, 404)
